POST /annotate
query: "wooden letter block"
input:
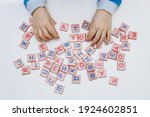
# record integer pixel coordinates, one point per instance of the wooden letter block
(99, 64)
(27, 36)
(116, 47)
(132, 35)
(90, 50)
(61, 76)
(86, 25)
(79, 55)
(72, 62)
(113, 81)
(67, 45)
(55, 68)
(75, 28)
(59, 89)
(92, 75)
(60, 50)
(81, 65)
(48, 64)
(125, 46)
(77, 45)
(64, 68)
(18, 63)
(123, 37)
(35, 66)
(72, 70)
(31, 57)
(25, 70)
(103, 56)
(76, 79)
(87, 59)
(43, 47)
(24, 27)
(59, 61)
(64, 27)
(116, 32)
(81, 37)
(112, 55)
(51, 54)
(121, 66)
(69, 53)
(90, 67)
(41, 56)
(45, 72)
(24, 44)
(120, 57)
(51, 80)
(101, 73)
(73, 38)
(124, 27)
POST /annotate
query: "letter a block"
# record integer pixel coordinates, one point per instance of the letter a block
(64, 27)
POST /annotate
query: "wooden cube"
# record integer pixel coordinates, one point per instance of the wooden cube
(18, 63)
(24, 44)
(103, 56)
(99, 64)
(120, 57)
(72, 70)
(81, 65)
(42, 56)
(101, 73)
(58, 61)
(92, 75)
(64, 27)
(64, 68)
(90, 50)
(86, 25)
(77, 45)
(125, 46)
(69, 53)
(113, 80)
(123, 37)
(24, 27)
(79, 55)
(28, 35)
(90, 67)
(132, 35)
(81, 37)
(43, 47)
(61, 76)
(116, 32)
(59, 89)
(121, 66)
(44, 72)
(35, 66)
(51, 54)
(25, 70)
(75, 28)
(73, 38)
(55, 68)
(60, 49)
(116, 47)
(87, 59)
(48, 64)
(112, 55)
(51, 80)
(76, 79)
(124, 27)
(67, 45)
(31, 57)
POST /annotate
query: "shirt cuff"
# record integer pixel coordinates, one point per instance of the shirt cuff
(34, 4)
(107, 6)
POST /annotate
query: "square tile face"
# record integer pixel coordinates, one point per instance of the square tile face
(31, 57)
(116, 32)
(123, 37)
(59, 89)
(51, 81)
(112, 55)
(79, 55)
(116, 47)
(86, 25)
(61, 76)
(55, 68)
(120, 57)
(45, 72)
(113, 81)
(81, 37)
(125, 46)
(64, 68)
(60, 49)
(90, 67)
(43, 47)
(103, 56)
(121, 66)
(35, 66)
(72, 61)
(75, 28)
(24, 27)
(90, 50)
(77, 45)
(124, 27)
(64, 27)
(58, 61)
(18, 63)
(69, 53)
(87, 59)
(99, 64)
(76, 79)
(101, 73)
(72, 70)
(25, 70)
(132, 35)
(24, 44)
(92, 75)
(48, 64)
(67, 45)
(27, 36)
(42, 56)
(51, 54)
(81, 65)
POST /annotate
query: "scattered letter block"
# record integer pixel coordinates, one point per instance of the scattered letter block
(51, 80)
(79, 55)
(51, 54)
(90, 67)
(61, 76)
(125, 46)
(64, 68)
(77, 45)
(45, 72)
(90, 50)
(64, 27)
(31, 57)
(59, 61)
(87, 59)
(24, 44)
(121, 66)
(123, 37)
(92, 75)
(18, 63)
(132, 35)
(69, 53)
(41, 56)
(103, 56)
(113, 81)
(35, 66)
(60, 50)
(27, 36)
(43, 47)
(112, 55)
(81, 65)
(101, 73)
(72, 70)
(75, 28)
(48, 64)
(120, 57)
(116, 47)
(99, 64)
(72, 62)
(24, 27)
(124, 27)
(76, 79)
(55, 68)
(67, 45)
(86, 25)
(59, 89)
(25, 70)
(116, 32)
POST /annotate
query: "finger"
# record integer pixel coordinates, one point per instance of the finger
(40, 35)
(45, 33)
(101, 39)
(51, 29)
(91, 33)
(96, 38)
(108, 36)
(36, 35)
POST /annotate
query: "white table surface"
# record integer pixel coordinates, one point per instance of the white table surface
(134, 82)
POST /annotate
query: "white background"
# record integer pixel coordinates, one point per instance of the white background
(134, 82)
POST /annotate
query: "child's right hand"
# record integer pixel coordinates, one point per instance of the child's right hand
(43, 25)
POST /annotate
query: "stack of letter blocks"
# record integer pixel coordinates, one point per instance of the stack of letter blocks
(78, 59)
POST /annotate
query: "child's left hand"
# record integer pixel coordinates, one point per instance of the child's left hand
(100, 28)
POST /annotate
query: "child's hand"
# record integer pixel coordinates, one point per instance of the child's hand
(43, 25)
(100, 28)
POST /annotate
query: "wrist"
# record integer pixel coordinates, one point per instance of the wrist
(38, 9)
